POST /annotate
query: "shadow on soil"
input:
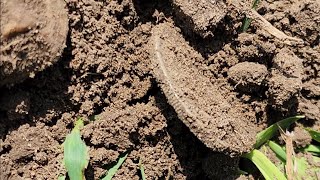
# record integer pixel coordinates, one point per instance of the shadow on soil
(197, 161)
(36, 99)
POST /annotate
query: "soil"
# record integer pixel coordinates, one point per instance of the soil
(29, 42)
(216, 118)
(187, 115)
(248, 76)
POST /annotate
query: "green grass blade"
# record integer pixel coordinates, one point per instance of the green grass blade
(314, 134)
(301, 167)
(61, 177)
(76, 157)
(312, 149)
(112, 171)
(247, 21)
(277, 149)
(241, 172)
(255, 4)
(268, 133)
(246, 24)
(266, 167)
(143, 176)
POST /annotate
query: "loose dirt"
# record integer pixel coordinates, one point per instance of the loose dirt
(234, 83)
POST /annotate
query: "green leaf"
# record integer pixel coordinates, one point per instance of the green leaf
(301, 167)
(268, 133)
(312, 149)
(143, 176)
(277, 149)
(112, 171)
(247, 21)
(242, 172)
(314, 134)
(76, 157)
(266, 167)
(246, 24)
(61, 177)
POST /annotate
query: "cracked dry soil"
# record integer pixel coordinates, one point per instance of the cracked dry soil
(187, 115)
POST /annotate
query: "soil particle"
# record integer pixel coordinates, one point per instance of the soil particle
(311, 89)
(301, 137)
(198, 102)
(103, 156)
(248, 76)
(286, 81)
(287, 64)
(200, 16)
(283, 92)
(158, 159)
(253, 48)
(310, 108)
(30, 43)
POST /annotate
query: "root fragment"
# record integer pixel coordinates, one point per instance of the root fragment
(264, 24)
(267, 26)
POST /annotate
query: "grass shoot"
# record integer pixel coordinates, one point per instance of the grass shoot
(112, 171)
(295, 168)
(247, 21)
(76, 156)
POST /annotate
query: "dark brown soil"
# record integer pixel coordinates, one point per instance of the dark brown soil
(226, 86)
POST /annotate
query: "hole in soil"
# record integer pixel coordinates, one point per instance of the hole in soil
(22, 55)
(5, 149)
(89, 172)
(248, 166)
(262, 11)
(145, 9)
(315, 42)
(134, 137)
(154, 139)
(25, 159)
(126, 19)
(292, 20)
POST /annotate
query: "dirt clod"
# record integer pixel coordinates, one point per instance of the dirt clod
(301, 137)
(248, 76)
(200, 16)
(286, 80)
(29, 42)
(198, 102)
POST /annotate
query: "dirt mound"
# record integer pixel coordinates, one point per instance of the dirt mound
(200, 17)
(29, 41)
(286, 80)
(248, 76)
(197, 100)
